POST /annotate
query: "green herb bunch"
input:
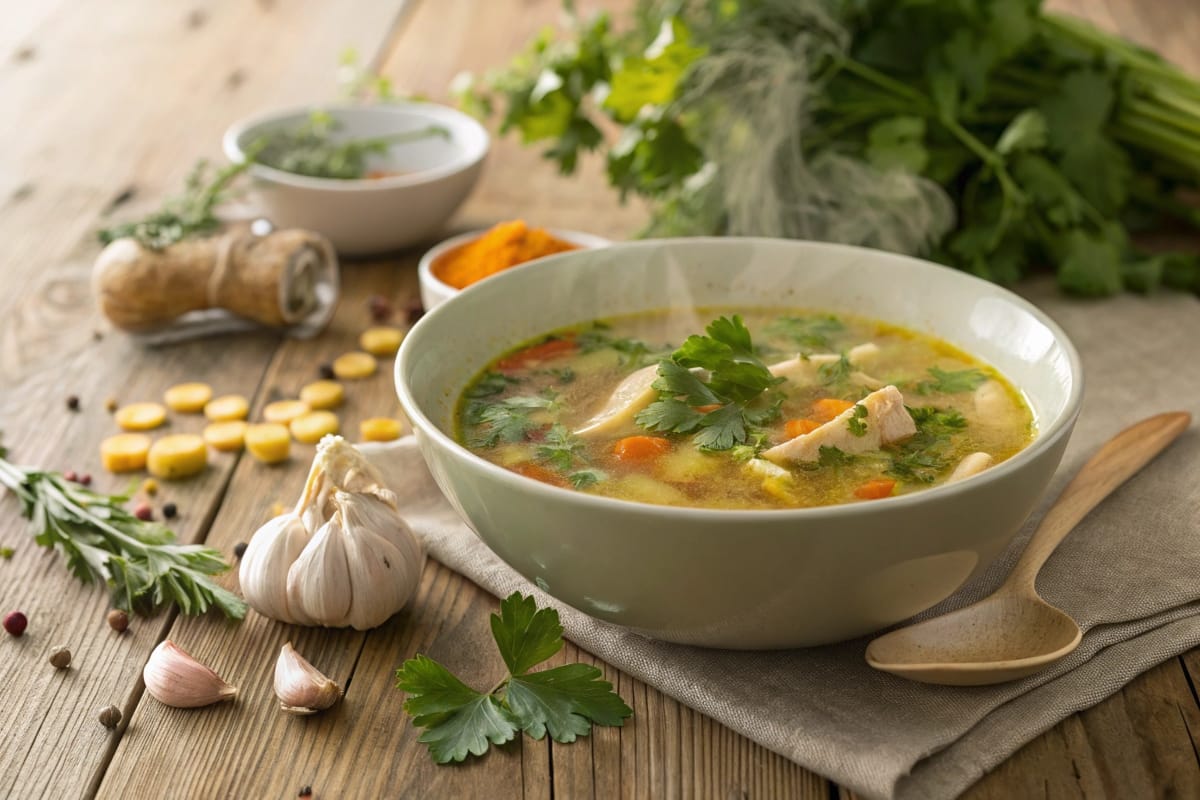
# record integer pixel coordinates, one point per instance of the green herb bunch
(102, 540)
(992, 135)
(563, 701)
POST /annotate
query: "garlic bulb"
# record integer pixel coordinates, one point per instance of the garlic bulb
(176, 679)
(343, 557)
(300, 687)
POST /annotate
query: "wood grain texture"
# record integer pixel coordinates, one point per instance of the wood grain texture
(115, 104)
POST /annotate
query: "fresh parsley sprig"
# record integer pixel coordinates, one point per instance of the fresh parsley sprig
(102, 540)
(952, 381)
(722, 411)
(563, 701)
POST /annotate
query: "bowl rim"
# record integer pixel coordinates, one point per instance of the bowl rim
(465, 160)
(425, 273)
(1060, 426)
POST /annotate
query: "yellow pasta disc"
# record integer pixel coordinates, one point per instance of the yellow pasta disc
(268, 442)
(310, 427)
(323, 394)
(179, 456)
(352, 366)
(227, 407)
(188, 398)
(125, 452)
(381, 341)
(380, 429)
(284, 411)
(226, 436)
(141, 416)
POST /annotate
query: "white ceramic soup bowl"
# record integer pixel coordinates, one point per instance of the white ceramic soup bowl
(371, 215)
(740, 579)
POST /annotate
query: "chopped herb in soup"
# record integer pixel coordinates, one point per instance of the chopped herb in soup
(759, 409)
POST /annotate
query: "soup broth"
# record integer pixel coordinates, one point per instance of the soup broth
(763, 409)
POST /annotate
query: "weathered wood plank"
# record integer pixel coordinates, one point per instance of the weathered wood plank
(127, 97)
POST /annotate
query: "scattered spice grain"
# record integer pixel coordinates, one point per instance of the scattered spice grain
(15, 623)
(73, 402)
(413, 312)
(305, 791)
(6, 553)
(326, 371)
(60, 658)
(70, 475)
(380, 308)
(143, 512)
(239, 549)
(170, 510)
(111, 404)
(118, 620)
(110, 716)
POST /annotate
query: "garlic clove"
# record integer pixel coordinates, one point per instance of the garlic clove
(300, 687)
(264, 568)
(318, 582)
(383, 571)
(176, 679)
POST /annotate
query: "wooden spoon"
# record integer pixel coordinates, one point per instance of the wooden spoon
(1014, 632)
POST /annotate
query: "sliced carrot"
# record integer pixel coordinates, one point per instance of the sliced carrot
(799, 427)
(539, 474)
(875, 489)
(539, 352)
(827, 408)
(640, 448)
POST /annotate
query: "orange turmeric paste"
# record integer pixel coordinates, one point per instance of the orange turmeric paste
(504, 246)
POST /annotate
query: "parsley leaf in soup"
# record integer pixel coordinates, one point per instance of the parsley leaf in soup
(492, 383)
(809, 332)
(563, 701)
(836, 372)
(857, 424)
(828, 456)
(952, 381)
(560, 448)
(584, 478)
(507, 420)
(925, 456)
(715, 386)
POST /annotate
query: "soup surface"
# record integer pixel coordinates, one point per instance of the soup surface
(746, 409)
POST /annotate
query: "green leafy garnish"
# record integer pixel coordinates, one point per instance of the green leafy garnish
(312, 148)
(837, 372)
(563, 701)
(560, 448)
(6, 553)
(857, 424)
(993, 135)
(506, 420)
(192, 213)
(952, 382)
(582, 479)
(490, 384)
(828, 456)
(102, 540)
(927, 454)
(810, 332)
(633, 352)
(737, 397)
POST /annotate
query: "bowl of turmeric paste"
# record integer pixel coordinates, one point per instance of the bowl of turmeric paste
(469, 258)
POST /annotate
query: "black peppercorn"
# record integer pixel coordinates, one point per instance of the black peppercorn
(239, 549)
(326, 371)
(305, 791)
(170, 510)
(73, 402)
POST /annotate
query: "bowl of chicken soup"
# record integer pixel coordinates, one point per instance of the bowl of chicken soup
(741, 443)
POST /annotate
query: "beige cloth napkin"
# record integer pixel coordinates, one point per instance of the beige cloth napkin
(1130, 574)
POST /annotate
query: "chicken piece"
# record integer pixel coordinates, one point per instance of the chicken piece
(971, 465)
(992, 404)
(806, 371)
(631, 396)
(886, 421)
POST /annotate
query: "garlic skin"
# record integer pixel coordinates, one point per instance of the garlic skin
(343, 557)
(300, 687)
(175, 679)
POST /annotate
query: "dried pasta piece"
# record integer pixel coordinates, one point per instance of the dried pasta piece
(228, 436)
(125, 452)
(380, 429)
(284, 411)
(179, 456)
(381, 341)
(310, 427)
(323, 394)
(269, 442)
(227, 407)
(188, 398)
(355, 365)
(141, 416)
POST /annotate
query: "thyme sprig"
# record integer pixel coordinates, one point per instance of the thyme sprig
(102, 540)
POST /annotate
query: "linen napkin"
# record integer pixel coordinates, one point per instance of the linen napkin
(1130, 574)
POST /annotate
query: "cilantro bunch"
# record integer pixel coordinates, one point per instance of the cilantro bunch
(727, 408)
(991, 135)
(562, 701)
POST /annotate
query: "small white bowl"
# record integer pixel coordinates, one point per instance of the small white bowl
(371, 215)
(435, 292)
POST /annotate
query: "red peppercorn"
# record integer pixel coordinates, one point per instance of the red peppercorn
(70, 475)
(143, 512)
(380, 308)
(85, 479)
(414, 311)
(118, 620)
(15, 622)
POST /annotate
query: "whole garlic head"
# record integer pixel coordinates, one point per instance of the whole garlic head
(343, 557)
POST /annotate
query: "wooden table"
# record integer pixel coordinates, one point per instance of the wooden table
(106, 107)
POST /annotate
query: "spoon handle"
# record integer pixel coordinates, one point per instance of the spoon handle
(1116, 462)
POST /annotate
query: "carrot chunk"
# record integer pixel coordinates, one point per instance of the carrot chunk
(640, 448)
(827, 408)
(799, 427)
(875, 489)
(542, 474)
(539, 352)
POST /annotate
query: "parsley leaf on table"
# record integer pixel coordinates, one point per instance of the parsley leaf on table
(563, 701)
